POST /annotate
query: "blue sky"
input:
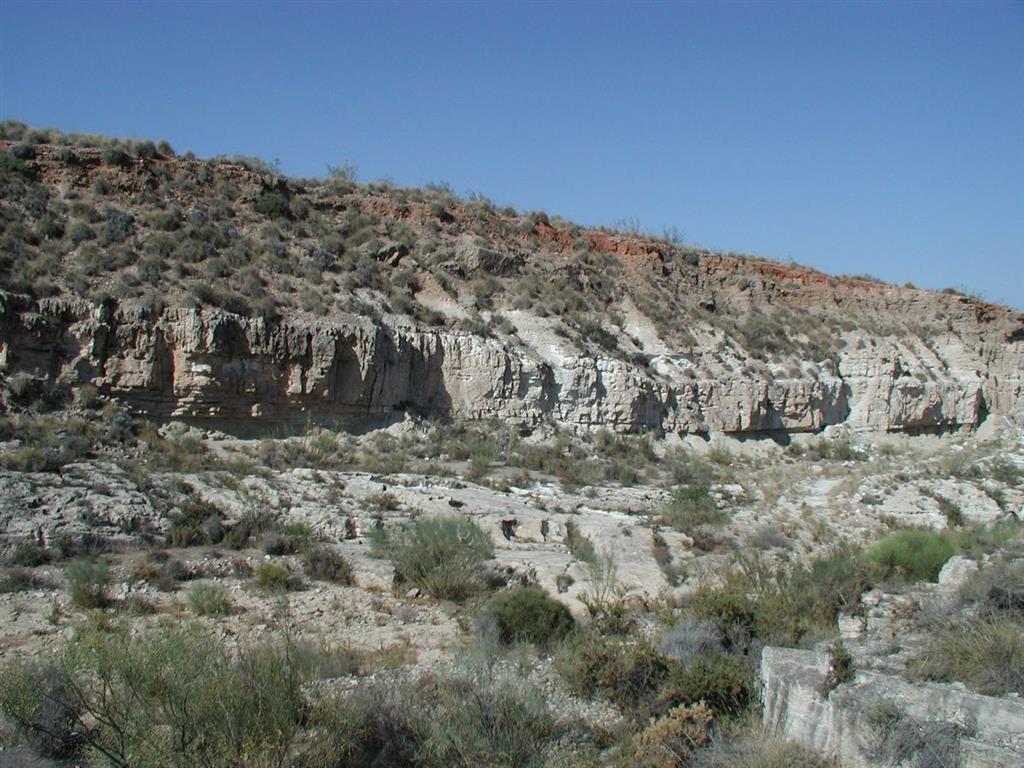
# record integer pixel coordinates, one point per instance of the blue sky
(877, 138)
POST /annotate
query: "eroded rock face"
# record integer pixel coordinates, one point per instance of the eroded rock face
(213, 366)
(854, 722)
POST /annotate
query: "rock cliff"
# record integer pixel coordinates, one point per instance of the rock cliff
(242, 373)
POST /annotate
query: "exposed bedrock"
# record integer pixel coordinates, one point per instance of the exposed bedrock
(880, 720)
(213, 366)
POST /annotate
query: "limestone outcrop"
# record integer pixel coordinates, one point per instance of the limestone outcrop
(226, 370)
(882, 720)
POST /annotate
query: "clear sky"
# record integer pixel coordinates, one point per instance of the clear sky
(879, 138)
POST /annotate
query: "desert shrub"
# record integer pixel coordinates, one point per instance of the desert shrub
(115, 156)
(904, 740)
(999, 587)
(221, 297)
(41, 703)
(1005, 471)
(175, 452)
(138, 605)
(168, 696)
(384, 502)
(87, 582)
(28, 554)
(160, 571)
(754, 747)
(1005, 535)
(722, 681)
(471, 717)
(209, 600)
(670, 741)
(324, 563)
(692, 506)
(768, 537)
(840, 668)
(690, 638)
(275, 577)
(442, 556)
(253, 524)
(662, 553)
(23, 151)
(487, 720)
(196, 523)
(987, 656)
(951, 511)
(625, 672)
(277, 543)
(272, 204)
(732, 611)
(581, 547)
(784, 604)
(917, 555)
(22, 580)
(528, 614)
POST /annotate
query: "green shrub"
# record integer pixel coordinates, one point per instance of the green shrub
(209, 600)
(275, 577)
(917, 555)
(627, 673)
(116, 156)
(87, 582)
(167, 696)
(691, 507)
(783, 605)
(840, 668)
(272, 204)
(442, 556)
(528, 614)
(326, 564)
(720, 680)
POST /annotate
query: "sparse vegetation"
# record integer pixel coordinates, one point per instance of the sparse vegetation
(988, 656)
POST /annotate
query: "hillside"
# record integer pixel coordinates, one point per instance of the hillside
(325, 474)
(218, 291)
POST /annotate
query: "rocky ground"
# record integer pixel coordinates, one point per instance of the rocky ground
(784, 504)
